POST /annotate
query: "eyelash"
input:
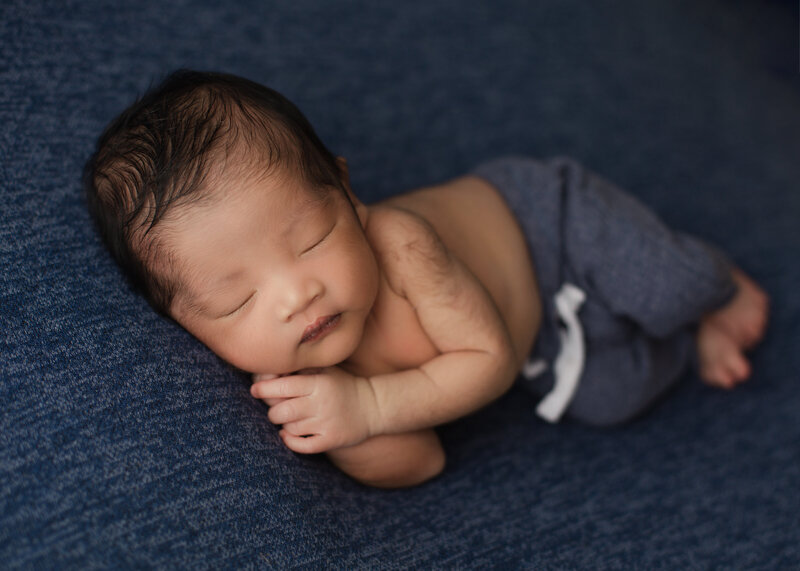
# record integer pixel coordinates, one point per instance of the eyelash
(320, 241)
(238, 309)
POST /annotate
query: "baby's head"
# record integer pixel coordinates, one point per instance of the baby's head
(228, 214)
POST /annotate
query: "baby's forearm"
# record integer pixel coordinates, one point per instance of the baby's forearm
(443, 389)
(326, 409)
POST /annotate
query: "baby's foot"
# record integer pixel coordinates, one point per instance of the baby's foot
(722, 363)
(744, 318)
(725, 334)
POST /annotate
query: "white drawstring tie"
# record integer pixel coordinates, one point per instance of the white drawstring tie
(571, 358)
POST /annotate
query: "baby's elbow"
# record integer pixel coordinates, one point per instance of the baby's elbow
(420, 470)
(393, 461)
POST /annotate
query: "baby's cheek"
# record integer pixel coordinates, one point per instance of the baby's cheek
(363, 275)
(242, 350)
(267, 358)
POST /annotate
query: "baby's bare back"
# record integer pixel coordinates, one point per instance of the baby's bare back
(476, 225)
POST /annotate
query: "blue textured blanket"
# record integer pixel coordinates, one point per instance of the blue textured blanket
(124, 443)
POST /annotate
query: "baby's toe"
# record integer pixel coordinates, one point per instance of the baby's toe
(725, 368)
(739, 368)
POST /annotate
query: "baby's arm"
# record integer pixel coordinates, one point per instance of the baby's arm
(331, 409)
(392, 461)
(385, 461)
(476, 362)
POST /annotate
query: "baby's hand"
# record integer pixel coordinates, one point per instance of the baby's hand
(320, 409)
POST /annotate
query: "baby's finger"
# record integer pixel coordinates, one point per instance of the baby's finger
(280, 387)
(290, 410)
(301, 444)
(304, 427)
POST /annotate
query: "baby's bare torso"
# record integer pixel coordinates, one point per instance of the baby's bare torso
(476, 225)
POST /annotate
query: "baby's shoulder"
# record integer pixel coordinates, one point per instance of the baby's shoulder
(391, 229)
(405, 243)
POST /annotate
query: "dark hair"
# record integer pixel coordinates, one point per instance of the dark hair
(159, 151)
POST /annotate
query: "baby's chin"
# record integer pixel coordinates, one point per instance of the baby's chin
(328, 352)
(321, 363)
(307, 365)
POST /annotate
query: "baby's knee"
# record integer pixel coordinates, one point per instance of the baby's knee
(608, 414)
(623, 382)
(622, 395)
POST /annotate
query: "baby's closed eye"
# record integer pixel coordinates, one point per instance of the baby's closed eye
(318, 239)
(238, 307)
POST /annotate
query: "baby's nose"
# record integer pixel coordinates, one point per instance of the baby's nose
(298, 297)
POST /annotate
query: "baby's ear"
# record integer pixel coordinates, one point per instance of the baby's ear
(362, 212)
(344, 172)
(360, 208)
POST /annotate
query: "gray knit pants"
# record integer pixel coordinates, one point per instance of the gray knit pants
(646, 286)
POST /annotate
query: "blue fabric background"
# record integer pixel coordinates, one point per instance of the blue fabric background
(125, 444)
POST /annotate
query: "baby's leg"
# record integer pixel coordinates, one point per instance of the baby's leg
(642, 270)
(622, 380)
(627, 370)
(661, 279)
(725, 334)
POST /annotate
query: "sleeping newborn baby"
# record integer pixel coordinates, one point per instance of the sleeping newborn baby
(367, 326)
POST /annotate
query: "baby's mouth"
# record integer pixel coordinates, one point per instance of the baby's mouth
(320, 328)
